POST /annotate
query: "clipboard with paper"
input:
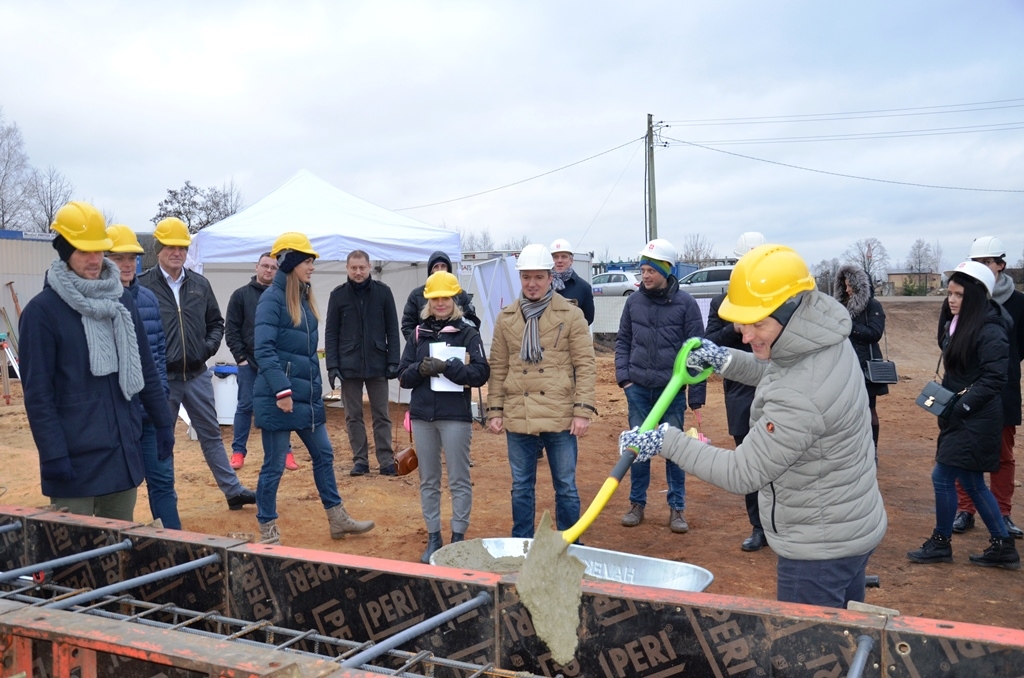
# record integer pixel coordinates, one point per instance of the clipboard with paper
(443, 351)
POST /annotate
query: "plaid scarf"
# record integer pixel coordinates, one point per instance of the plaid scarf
(531, 350)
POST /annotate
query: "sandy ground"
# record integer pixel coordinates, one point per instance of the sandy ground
(718, 522)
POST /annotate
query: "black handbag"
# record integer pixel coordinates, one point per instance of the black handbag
(880, 371)
(938, 399)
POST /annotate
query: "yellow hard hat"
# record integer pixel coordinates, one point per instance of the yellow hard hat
(296, 242)
(172, 232)
(441, 284)
(124, 240)
(764, 279)
(83, 226)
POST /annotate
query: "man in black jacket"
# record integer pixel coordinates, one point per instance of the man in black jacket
(239, 331)
(193, 327)
(361, 338)
(568, 283)
(439, 261)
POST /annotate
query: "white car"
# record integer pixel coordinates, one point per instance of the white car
(615, 283)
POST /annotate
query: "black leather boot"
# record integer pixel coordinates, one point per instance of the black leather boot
(936, 550)
(458, 536)
(1001, 553)
(433, 543)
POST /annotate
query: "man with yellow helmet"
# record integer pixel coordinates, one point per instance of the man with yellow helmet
(84, 359)
(809, 450)
(194, 328)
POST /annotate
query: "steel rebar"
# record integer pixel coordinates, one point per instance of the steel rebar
(10, 527)
(66, 560)
(860, 657)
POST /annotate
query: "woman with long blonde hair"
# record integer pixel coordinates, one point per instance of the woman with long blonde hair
(288, 395)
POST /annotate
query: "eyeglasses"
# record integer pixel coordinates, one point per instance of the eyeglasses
(269, 267)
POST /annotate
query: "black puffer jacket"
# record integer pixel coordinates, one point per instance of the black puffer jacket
(416, 301)
(738, 396)
(194, 331)
(426, 404)
(579, 291)
(867, 315)
(361, 332)
(240, 322)
(970, 438)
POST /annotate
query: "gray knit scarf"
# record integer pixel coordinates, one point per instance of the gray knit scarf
(1003, 289)
(109, 329)
(531, 350)
(559, 278)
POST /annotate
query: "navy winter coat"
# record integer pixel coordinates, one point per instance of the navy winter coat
(149, 312)
(738, 396)
(652, 329)
(426, 404)
(287, 358)
(580, 292)
(74, 414)
(970, 438)
(416, 301)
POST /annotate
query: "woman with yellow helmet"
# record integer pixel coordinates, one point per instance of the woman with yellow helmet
(442, 418)
(288, 395)
(809, 451)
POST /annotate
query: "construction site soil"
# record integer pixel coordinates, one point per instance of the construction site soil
(717, 519)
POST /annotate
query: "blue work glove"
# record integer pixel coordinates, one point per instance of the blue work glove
(164, 443)
(57, 470)
(708, 355)
(645, 445)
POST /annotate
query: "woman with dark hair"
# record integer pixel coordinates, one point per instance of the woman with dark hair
(975, 350)
(852, 288)
(288, 395)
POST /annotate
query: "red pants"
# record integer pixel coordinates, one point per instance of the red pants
(1001, 481)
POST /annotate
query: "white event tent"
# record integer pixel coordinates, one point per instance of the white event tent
(336, 223)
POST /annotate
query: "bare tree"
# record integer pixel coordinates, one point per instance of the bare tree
(48, 190)
(825, 273)
(869, 254)
(515, 243)
(197, 207)
(484, 241)
(937, 257)
(921, 258)
(697, 250)
(14, 176)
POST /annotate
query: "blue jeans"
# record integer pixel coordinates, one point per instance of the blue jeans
(243, 410)
(275, 447)
(522, 458)
(641, 401)
(829, 583)
(944, 479)
(163, 500)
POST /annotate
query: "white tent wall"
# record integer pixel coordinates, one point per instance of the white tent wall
(23, 262)
(400, 277)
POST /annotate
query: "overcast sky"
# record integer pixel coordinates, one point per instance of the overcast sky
(410, 103)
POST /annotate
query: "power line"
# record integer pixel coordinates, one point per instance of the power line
(521, 181)
(860, 136)
(847, 176)
(614, 186)
(814, 117)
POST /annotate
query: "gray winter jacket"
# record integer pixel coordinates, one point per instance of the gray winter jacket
(809, 449)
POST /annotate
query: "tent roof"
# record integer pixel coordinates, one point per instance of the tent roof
(335, 222)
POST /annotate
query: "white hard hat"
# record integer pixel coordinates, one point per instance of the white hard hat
(561, 245)
(534, 258)
(747, 242)
(987, 246)
(659, 249)
(979, 272)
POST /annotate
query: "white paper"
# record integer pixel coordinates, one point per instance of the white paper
(443, 351)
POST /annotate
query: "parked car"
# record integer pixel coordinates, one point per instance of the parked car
(707, 282)
(616, 283)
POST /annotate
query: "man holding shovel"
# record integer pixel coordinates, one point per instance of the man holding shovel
(541, 390)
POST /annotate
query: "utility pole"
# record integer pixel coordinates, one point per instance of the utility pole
(652, 204)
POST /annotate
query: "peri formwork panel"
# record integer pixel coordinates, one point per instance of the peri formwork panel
(363, 599)
(12, 543)
(924, 647)
(55, 535)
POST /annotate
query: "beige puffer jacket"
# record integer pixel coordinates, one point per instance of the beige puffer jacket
(809, 449)
(542, 397)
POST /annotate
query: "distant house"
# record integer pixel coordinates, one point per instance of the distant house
(898, 279)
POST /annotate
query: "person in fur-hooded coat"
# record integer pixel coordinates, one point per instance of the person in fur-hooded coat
(853, 290)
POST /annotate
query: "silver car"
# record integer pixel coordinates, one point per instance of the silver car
(707, 282)
(615, 283)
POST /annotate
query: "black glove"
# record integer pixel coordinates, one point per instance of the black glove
(391, 372)
(334, 377)
(431, 367)
(57, 470)
(164, 443)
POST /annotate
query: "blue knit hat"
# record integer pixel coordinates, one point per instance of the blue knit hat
(662, 267)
